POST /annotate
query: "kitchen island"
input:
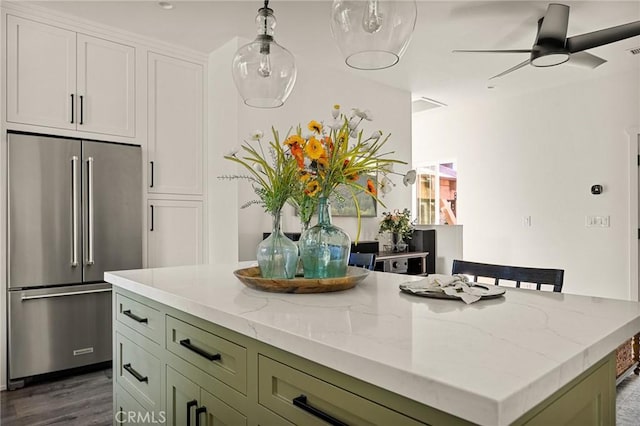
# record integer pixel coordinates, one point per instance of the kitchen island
(193, 341)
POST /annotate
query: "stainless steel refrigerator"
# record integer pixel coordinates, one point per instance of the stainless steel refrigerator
(74, 211)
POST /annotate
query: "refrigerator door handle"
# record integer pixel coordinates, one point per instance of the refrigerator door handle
(74, 211)
(67, 293)
(90, 260)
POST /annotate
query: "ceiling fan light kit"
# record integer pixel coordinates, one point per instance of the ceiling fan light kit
(264, 72)
(552, 46)
(373, 34)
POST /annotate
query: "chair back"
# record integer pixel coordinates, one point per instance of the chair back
(518, 274)
(363, 260)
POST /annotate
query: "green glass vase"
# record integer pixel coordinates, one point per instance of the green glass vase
(277, 255)
(325, 248)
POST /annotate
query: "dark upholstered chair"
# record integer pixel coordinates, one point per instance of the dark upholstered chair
(363, 260)
(518, 274)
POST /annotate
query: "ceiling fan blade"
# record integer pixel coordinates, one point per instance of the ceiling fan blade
(554, 24)
(512, 69)
(586, 60)
(494, 51)
(598, 38)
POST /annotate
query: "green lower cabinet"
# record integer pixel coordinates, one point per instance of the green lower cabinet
(128, 411)
(190, 405)
(306, 400)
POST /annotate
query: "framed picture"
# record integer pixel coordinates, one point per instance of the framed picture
(343, 205)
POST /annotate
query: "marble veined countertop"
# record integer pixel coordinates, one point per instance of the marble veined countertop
(488, 362)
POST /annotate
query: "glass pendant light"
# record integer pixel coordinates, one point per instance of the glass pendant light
(264, 71)
(373, 34)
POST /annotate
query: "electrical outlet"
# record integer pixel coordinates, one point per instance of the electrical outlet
(597, 221)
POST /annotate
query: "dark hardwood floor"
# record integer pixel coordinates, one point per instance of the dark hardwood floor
(86, 400)
(80, 400)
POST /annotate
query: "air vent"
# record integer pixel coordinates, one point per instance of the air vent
(635, 51)
(423, 104)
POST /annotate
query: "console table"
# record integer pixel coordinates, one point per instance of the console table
(408, 262)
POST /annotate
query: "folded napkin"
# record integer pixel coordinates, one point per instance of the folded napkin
(452, 285)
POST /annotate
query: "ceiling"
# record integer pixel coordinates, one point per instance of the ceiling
(428, 67)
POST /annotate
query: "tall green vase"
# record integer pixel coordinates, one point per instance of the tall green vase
(325, 248)
(277, 255)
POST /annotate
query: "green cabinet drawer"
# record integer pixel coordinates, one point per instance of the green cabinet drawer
(186, 400)
(140, 317)
(216, 356)
(138, 372)
(304, 399)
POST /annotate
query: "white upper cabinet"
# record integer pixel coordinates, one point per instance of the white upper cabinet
(41, 74)
(106, 86)
(175, 112)
(63, 79)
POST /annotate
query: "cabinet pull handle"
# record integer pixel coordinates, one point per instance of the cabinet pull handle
(301, 402)
(72, 105)
(135, 374)
(81, 110)
(190, 404)
(187, 344)
(151, 218)
(151, 185)
(198, 412)
(134, 316)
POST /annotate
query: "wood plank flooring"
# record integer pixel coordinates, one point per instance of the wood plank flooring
(80, 400)
(86, 400)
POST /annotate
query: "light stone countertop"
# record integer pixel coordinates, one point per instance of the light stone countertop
(488, 362)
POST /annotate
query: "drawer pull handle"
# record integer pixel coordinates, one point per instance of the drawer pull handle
(190, 404)
(134, 316)
(198, 412)
(187, 344)
(301, 402)
(135, 374)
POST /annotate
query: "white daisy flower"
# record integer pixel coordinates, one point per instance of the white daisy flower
(256, 135)
(232, 152)
(335, 111)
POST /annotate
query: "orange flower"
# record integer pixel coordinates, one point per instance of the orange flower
(296, 151)
(314, 149)
(314, 126)
(294, 139)
(371, 187)
(353, 177)
(312, 188)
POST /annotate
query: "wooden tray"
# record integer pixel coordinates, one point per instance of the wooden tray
(251, 278)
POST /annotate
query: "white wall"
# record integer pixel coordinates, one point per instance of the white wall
(222, 137)
(538, 155)
(316, 90)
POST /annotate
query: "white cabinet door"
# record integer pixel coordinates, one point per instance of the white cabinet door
(105, 87)
(174, 235)
(175, 111)
(41, 74)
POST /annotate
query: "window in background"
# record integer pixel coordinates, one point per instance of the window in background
(437, 194)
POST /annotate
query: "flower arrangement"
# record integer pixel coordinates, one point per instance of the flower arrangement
(274, 181)
(397, 222)
(336, 153)
(312, 162)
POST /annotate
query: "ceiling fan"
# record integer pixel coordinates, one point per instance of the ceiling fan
(553, 47)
